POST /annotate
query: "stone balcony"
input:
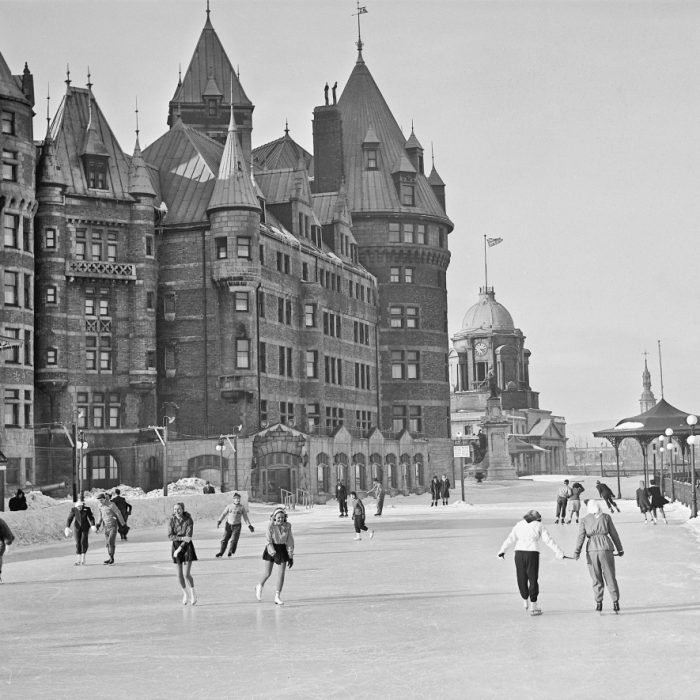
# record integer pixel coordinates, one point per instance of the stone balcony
(238, 387)
(143, 382)
(233, 273)
(98, 270)
(51, 380)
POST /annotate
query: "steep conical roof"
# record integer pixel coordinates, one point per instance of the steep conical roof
(8, 85)
(413, 142)
(210, 61)
(434, 179)
(139, 180)
(49, 169)
(362, 107)
(234, 188)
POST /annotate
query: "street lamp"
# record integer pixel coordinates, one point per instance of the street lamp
(602, 474)
(81, 445)
(692, 420)
(671, 451)
(662, 440)
(461, 463)
(220, 447)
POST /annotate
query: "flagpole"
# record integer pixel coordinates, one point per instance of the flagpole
(661, 370)
(486, 270)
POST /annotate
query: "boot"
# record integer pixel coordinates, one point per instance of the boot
(616, 606)
(193, 596)
(258, 591)
(357, 536)
(220, 554)
(599, 606)
(82, 559)
(184, 596)
(278, 600)
(535, 609)
(77, 560)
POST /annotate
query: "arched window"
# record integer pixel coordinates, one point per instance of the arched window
(375, 461)
(323, 473)
(406, 470)
(392, 480)
(360, 472)
(341, 466)
(418, 470)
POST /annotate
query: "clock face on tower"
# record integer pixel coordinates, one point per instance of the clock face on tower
(481, 348)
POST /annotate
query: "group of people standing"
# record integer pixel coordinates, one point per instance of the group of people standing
(570, 496)
(650, 500)
(440, 489)
(602, 541)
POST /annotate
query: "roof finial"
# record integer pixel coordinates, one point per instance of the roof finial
(67, 74)
(89, 82)
(137, 117)
(232, 121)
(358, 43)
(179, 74)
(48, 110)
(286, 128)
(412, 126)
(208, 10)
(432, 153)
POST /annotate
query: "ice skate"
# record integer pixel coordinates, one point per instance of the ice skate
(599, 606)
(536, 610)
(82, 559)
(184, 597)
(616, 606)
(219, 554)
(556, 522)
(357, 537)
(193, 596)
(278, 600)
(526, 604)
(77, 561)
(568, 521)
(371, 534)
(258, 591)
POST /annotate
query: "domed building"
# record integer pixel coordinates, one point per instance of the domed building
(489, 357)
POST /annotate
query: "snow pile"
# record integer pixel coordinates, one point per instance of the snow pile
(187, 486)
(36, 500)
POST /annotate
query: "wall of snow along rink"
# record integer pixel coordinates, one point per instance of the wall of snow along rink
(45, 525)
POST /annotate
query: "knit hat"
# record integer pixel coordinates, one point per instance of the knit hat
(593, 506)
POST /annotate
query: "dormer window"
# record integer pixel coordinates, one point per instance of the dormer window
(371, 159)
(96, 173)
(213, 107)
(408, 194)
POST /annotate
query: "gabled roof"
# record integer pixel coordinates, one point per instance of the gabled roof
(187, 162)
(69, 132)
(651, 423)
(8, 84)
(331, 207)
(362, 106)
(210, 61)
(234, 187)
(278, 186)
(283, 152)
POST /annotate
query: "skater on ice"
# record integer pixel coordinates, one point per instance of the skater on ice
(341, 493)
(279, 550)
(525, 538)
(657, 501)
(378, 491)
(563, 495)
(644, 504)
(602, 539)
(111, 518)
(575, 501)
(82, 521)
(180, 529)
(607, 495)
(358, 516)
(232, 514)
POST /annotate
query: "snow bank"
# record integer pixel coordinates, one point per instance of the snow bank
(46, 524)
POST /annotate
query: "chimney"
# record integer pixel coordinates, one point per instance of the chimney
(328, 149)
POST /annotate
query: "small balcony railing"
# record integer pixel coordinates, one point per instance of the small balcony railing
(234, 272)
(95, 269)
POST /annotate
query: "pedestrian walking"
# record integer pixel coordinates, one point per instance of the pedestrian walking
(341, 493)
(378, 491)
(525, 538)
(562, 499)
(435, 489)
(575, 501)
(657, 500)
(111, 518)
(18, 501)
(180, 529)
(208, 488)
(82, 521)
(644, 504)
(279, 550)
(125, 509)
(358, 516)
(445, 489)
(602, 538)
(607, 495)
(232, 514)
(6, 539)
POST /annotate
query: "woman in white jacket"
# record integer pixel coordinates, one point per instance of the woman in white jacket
(525, 537)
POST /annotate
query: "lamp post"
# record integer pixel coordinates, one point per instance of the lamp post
(82, 445)
(220, 447)
(461, 463)
(602, 473)
(692, 420)
(662, 452)
(670, 449)
(653, 455)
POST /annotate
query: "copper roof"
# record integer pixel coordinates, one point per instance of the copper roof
(365, 114)
(277, 185)
(434, 179)
(210, 61)
(139, 178)
(413, 142)
(69, 134)
(283, 152)
(8, 84)
(187, 163)
(49, 172)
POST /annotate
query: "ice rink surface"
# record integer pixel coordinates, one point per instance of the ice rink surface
(423, 610)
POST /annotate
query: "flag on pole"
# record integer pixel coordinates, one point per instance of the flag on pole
(361, 10)
(494, 241)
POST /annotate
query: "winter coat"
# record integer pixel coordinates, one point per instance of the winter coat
(657, 500)
(81, 518)
(281, 534)
(643, 500)
(526, 537)
(123, 505)
(180, 527)
(341, 493)
(445, 488)
(601, 533)
(435, 488)
(110, 516)
(604, 491)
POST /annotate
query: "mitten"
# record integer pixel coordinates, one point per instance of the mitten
(66, 532)
(251, 528)
(290, 563)
(620, 553)
(502, 555)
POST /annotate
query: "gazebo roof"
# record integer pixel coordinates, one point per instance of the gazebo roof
(648, 425)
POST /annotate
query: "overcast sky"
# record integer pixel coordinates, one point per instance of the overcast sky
(569, 129)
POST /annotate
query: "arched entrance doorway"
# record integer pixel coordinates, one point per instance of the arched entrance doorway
(279, 460)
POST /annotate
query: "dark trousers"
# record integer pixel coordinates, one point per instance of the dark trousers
(81, 540)
(561, 507)
(611, 504)
(343, 506)
(527, 568)
(359, 523)
(231, 532)
(380, 504)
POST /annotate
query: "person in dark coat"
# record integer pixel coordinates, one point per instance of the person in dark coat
(435, 489)
(341, 493)
(180, 528)
(18, 501)
(208, 488)
(607, 495)
(358, 516)
(82, 520)
(656, 500)
(602, 536)
(445, 489)
(643, 503)
(125, 509)
(6, 539)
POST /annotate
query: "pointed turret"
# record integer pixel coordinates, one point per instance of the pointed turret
(139, 180)
(415, 151)
(233, 188)
(49, 172)
(647, 399)
(8, 85)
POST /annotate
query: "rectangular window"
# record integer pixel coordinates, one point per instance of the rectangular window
(280, 310)
(262, 357)
(11, 288)
(243, 247)
(98, 416)
(80, 248)
(170, 361)
(261, 251)
(150, 359)
(408, 275)
(288, 312)
(149, 246)
(420, 234)
(242, 353)
(27, 234)
(415, 419)
(28, 288)
(310, 315)
(285, 361)
(150, 300)
(286, 412)
(27, 408)
(312, 364)
(397, 365)
(169, 305)
(90, 306)
(221, 244)
(9, 166)
(51, 297)
(305, 272)
(51, 357)
(408, 195)
(28, 354)
(370, 158)
(50, 238)
(394, 274)
(263, 409)
(104, 307)
(105, 360)
(411, 317)
(12, 355)
(398, 418)
(11, 231)
(412, 364)
(7, 123)
(12, 408)
(396, 317)
(408, 233)
(286, 264)
(240, 301)
(114, 416)
(279, 261)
